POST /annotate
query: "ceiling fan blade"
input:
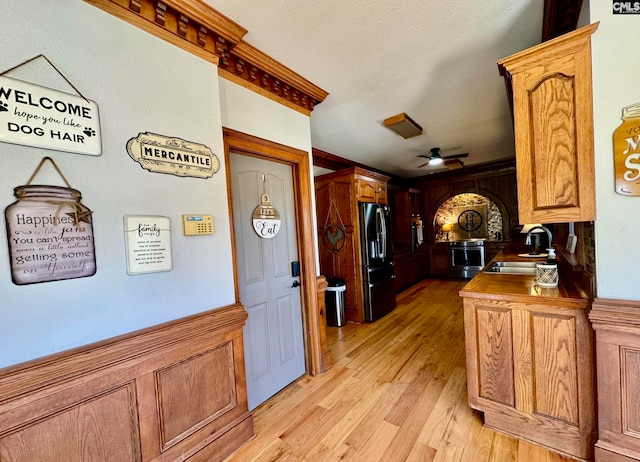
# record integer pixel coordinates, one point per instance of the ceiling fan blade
(456, 156)
(424, 155)
(420, 166)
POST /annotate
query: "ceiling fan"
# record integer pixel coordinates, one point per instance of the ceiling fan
(437, 159)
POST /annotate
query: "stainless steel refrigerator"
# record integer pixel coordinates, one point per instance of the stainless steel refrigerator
(377, 259)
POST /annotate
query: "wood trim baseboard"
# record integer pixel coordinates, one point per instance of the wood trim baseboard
(136, 390)
(321, 288)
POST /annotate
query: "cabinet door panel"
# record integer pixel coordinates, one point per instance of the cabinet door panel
(554, 154)
(555, 366)
(495, 355)
(630, 391)
(366, 191)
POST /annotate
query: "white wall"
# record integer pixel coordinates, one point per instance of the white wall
(140, 84)
(616, 84)
(248, 112)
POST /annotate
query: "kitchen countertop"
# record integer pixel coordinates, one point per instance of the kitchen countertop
(523, 287)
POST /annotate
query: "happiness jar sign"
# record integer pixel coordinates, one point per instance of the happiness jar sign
(50, 234)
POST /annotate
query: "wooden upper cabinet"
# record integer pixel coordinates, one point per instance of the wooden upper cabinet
(553, 118)
(371, 191)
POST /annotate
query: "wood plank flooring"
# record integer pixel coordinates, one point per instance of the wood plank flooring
(396, 392)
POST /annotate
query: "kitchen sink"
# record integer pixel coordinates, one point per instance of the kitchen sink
(512, 267)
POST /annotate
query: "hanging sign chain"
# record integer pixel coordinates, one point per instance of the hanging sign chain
(44, 159)
(332, 204)
(51, 64)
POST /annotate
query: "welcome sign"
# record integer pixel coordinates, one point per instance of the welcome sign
(41, 117)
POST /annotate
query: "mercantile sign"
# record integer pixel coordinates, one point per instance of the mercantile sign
(175, 156)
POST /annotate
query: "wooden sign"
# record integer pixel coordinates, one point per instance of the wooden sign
(266, 219)
(41, 117)
(50, 235)
(148, 243)
(175, 156)
(626, 151)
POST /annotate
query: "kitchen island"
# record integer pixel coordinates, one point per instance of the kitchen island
(529, 354)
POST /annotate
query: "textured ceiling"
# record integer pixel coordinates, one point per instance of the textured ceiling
(431, 59)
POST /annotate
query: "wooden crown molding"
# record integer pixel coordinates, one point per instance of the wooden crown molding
(199, 29)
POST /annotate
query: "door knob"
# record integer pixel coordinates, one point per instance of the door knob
(295, 284)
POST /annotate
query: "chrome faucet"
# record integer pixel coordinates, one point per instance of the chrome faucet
(544, 228)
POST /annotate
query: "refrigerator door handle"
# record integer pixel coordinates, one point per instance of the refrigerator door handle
(382, 235)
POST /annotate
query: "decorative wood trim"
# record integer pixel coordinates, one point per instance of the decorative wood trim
(199, 29)
(321, 288)
(208, 17)
(616, 315)
(238, 80)
(539, 54)
(313, 325)
(132, 391)
(246, 52)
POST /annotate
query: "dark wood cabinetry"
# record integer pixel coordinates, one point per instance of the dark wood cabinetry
(496, 181)
(440, 255)
(410, 255)
(411, 267)
(337, 197)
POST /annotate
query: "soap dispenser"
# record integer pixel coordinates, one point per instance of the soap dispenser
(547, 273)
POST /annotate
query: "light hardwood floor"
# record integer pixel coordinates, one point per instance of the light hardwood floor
(396, 392)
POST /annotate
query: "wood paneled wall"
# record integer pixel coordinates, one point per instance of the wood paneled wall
(617, 326)
(496, 180)
(173, 392)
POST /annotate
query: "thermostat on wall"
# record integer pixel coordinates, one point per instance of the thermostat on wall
(195, 225)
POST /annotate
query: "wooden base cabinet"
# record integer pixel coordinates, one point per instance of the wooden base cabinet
(529, 370)
(617, 326)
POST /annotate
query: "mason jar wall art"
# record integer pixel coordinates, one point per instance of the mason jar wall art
(50, 233)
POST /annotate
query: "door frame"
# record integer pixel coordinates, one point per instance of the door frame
(241, 143)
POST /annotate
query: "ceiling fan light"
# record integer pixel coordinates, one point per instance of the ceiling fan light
(403, 125)
(435, 160)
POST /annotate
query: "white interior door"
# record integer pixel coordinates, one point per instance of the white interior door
(274, 346)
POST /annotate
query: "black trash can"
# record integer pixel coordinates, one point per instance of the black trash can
(334, 302)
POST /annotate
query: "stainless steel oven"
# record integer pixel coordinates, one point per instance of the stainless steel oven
(467, 257)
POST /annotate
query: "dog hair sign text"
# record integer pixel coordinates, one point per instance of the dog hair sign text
(41, 117)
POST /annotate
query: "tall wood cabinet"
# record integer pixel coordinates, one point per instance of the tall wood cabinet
(410, 254)
(552, 110)
(337, 197)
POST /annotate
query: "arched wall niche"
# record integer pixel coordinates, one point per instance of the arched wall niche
(489, 219)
